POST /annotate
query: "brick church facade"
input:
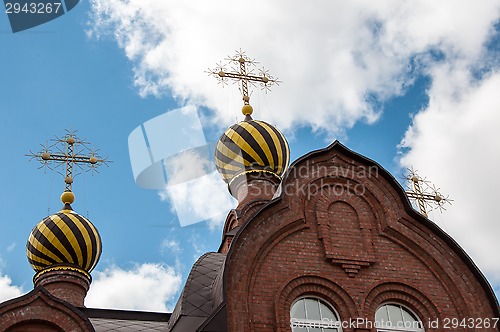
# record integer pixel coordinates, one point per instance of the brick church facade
(343, 231)
(338, 229)
(330, 243)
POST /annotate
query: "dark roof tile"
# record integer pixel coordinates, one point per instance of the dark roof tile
(200, 295)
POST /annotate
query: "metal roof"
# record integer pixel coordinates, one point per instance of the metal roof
(111, 320)
(122, 325)
(202, 293)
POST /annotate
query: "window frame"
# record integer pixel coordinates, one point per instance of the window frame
(400, 329)
(320, 300)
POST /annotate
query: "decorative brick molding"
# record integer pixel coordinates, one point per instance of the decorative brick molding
(40, 309)
(227, 237)
(316, 286)
(346, 223)
(396, 292)
(254, 186)
(68, 285)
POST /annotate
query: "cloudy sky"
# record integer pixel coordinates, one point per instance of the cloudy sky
(406, 83)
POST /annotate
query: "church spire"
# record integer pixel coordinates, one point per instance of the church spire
(249, 150)
(65, 247)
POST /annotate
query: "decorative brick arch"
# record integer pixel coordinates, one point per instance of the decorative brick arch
(40, 307)
(324, 191)
(313, 286)
(231, 222)
(346, 222)
(403, 294)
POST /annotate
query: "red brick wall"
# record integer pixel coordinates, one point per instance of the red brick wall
(291, 249)
(40, 311)
(67, 285)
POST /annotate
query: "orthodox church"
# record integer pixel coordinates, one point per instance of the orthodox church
(328, 243)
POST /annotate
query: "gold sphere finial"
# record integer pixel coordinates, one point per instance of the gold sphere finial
(67, 197)
(247, 109)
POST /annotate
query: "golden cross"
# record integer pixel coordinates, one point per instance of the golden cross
(70, 151)
(425, 195)
(244, 72)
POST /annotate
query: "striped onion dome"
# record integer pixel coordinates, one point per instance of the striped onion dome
(65, 240)
(251, 146)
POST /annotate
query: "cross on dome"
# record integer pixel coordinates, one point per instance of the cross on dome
(65, 153)
(243, 71)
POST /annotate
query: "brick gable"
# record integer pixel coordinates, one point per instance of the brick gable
(343, 230)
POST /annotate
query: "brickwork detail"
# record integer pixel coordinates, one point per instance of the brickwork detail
(345, 225)
(38, 311)
(311, 286)
(67, 285)
(400, 293)
(382, 251)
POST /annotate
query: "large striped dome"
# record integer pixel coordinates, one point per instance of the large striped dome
(254, 146)
(62, 240)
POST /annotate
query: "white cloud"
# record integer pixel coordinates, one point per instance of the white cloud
(188, 165)
(171, 245)
(149, 287)
(8, 290)
(11, 247)
(334, 57)
(455, 143)
(203, 197)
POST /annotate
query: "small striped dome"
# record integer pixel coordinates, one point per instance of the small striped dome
(251, 146)
(64, 239)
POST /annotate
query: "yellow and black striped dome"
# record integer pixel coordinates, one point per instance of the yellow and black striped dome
(64, 239)
(251, 145)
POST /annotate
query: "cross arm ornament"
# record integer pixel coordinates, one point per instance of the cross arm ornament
(243, 72)
(71, 151)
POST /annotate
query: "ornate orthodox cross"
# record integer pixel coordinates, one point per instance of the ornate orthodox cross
(67, 152)
(243, 71)
(426, 196)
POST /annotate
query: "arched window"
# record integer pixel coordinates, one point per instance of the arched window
(311, 314)
(395, 317)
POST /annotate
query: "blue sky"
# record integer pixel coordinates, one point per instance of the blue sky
(375, 77)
